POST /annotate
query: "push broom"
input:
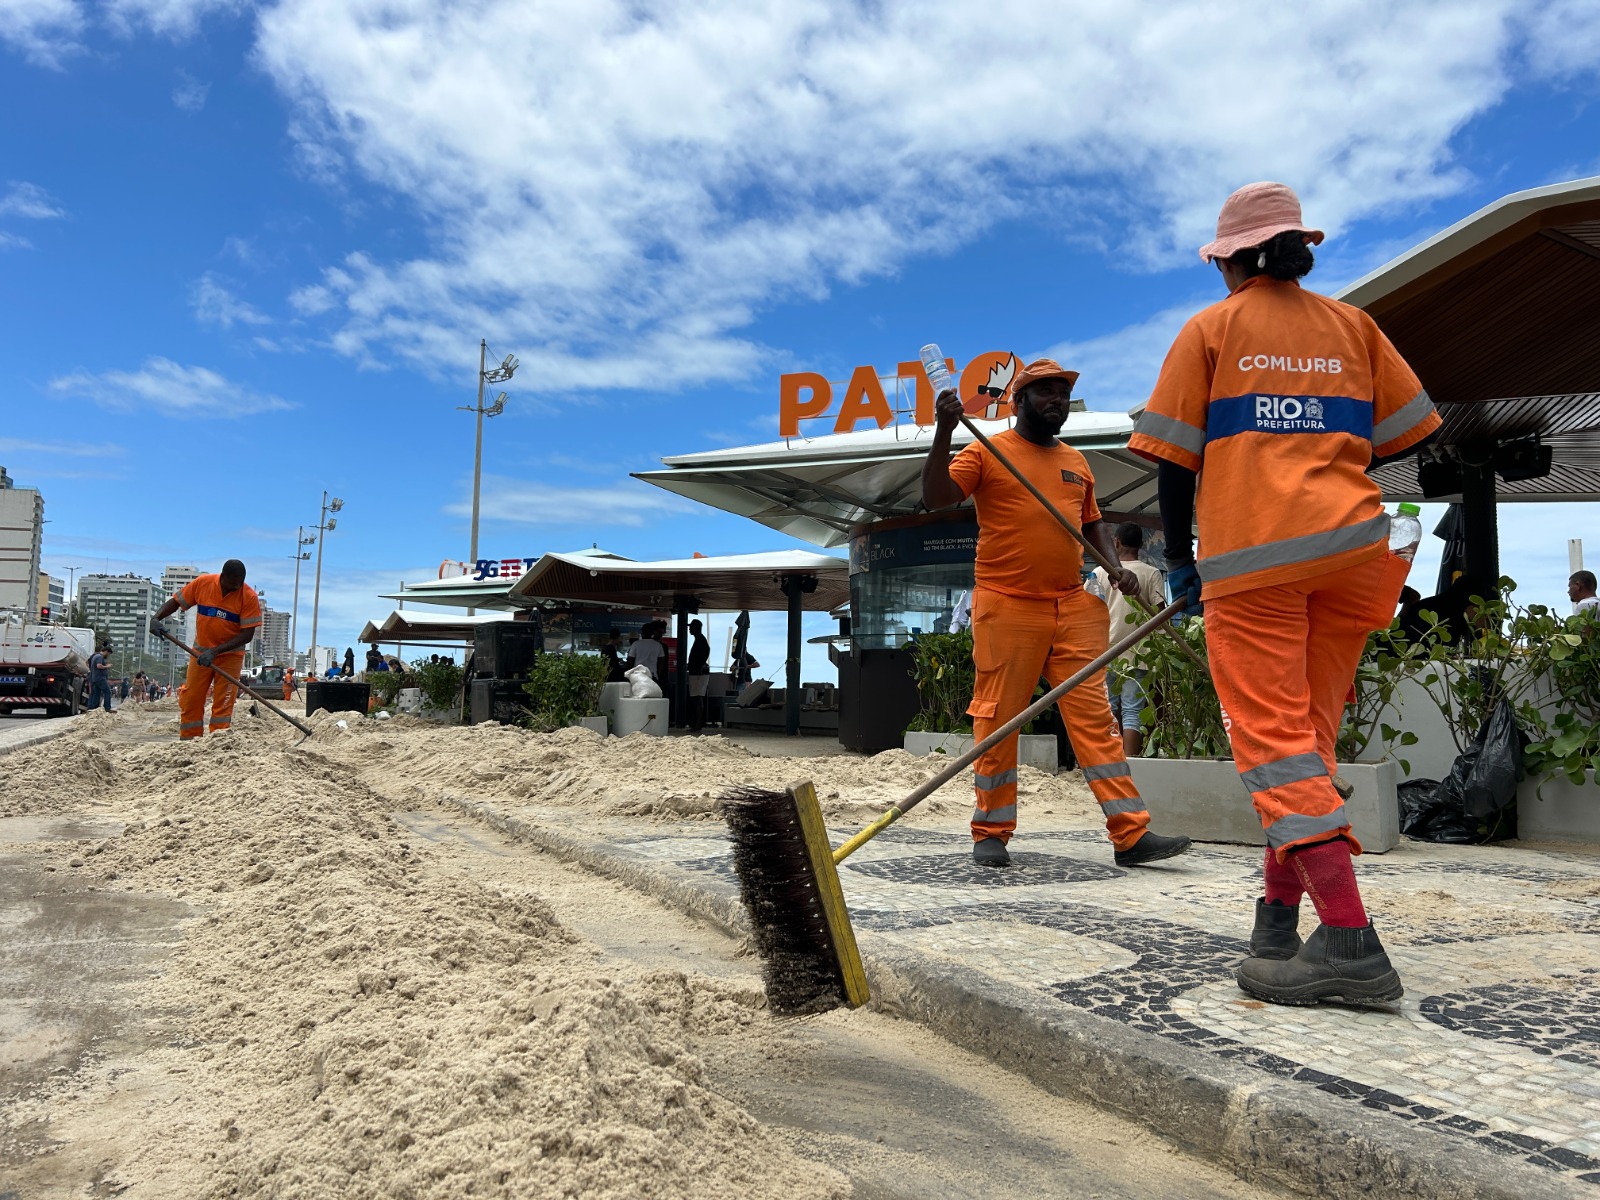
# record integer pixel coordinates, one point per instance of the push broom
(788, 873)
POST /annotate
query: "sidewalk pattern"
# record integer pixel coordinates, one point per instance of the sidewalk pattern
(1497, 1040)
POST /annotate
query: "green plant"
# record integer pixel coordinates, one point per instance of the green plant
(1385, 662)
(564, 688)
(942, 666)
(1571, 742)
(1182, 715)
(440, 683)
(386, 685)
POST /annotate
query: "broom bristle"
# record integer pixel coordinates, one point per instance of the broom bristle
(800, 964)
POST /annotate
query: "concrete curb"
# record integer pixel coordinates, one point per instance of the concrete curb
(51, 730)
(1266, 1131)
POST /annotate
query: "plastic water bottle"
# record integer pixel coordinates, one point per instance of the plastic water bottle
(1405, 531)
(938, 374)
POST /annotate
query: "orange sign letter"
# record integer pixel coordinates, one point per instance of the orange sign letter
(791, 408)
(863, 398)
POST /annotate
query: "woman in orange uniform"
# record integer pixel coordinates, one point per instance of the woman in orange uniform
(1270, 407)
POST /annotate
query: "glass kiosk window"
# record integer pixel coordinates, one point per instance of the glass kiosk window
(892, 607)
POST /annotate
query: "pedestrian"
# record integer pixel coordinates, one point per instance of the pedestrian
(349, 662)
(1030, 613)
(1124, 680)
(100, 677)
(1270, 407)
(123, 689)
(611, 651)
(227, 616)
(1581, 591)
(648, 652)
(699, 672)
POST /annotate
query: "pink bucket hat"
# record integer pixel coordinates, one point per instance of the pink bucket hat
(1255, 214)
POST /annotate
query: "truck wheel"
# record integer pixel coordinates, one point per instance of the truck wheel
(5, 710)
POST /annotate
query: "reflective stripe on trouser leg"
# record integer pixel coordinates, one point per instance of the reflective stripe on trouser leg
(1081, 634)
(1010, 641)
(1269, 647)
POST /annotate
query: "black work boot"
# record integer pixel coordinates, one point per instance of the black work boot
(1277, 931)
(1152, 847)
(1336, 965)
(991, 852)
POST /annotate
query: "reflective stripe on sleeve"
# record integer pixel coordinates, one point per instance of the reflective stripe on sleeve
(1172, 431)
(1398, 424)
(1284, 771)
(1107, 771)
(995, 816)
(1293, 550)
(1294, 827)
(988, 783)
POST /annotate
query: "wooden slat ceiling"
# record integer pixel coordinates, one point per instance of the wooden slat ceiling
(1523, 322)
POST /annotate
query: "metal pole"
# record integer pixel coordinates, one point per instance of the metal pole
(477, 453)
(294, 617)
(316, 600)
(791, 680)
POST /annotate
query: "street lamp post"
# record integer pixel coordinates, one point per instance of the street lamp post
(300, 555)
(325, 526)
(506, 369)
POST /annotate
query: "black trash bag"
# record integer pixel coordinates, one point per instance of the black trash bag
(1477, 802)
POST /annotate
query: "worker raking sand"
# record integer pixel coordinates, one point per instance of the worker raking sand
(227, 616)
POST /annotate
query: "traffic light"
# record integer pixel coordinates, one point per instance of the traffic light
(44, 613)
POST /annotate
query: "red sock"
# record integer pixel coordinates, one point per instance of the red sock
(1283, 885)
(1329, 879)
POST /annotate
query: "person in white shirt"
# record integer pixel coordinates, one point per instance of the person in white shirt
(1581, 591)
(649, 653)
(1124, 681)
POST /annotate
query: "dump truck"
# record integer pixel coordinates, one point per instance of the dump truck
(44, 666)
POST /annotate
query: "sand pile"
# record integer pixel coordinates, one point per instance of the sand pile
(675, 778)
(354, 1024)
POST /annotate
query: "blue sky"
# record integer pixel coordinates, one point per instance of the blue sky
(247, 250)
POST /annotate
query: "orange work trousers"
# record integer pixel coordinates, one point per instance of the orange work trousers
(192, 696)
(1014, 642)
(1284, 659)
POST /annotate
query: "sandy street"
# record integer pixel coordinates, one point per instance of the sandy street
(242, 968)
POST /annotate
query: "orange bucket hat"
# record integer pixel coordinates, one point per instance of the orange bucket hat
(1255, 214)
(1041, 368)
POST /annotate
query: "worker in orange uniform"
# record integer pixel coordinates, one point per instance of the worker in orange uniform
(228, 614)
(1030, 613)
(288, 683)
(1274, 402)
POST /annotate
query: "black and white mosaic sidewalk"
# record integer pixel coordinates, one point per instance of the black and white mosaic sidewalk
(1496, 1043)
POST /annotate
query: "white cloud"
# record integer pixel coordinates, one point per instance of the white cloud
(1564, 38)
(169, 388)
(190, 94)
(45, 31)
(169, 18)
(14, 241)
(215, 305)
(1118, 369)
(55, 449)
(616, 190)
(631, 503)
(29, 200)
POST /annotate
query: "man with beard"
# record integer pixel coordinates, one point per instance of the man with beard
(1030, 613)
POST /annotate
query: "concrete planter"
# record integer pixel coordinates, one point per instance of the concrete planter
(1567, 811)
(600, 724)
(1203, 798)
(1034, 749)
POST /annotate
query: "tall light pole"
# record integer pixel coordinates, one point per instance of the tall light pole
(506, 369)
(300, 555)
(325, 526)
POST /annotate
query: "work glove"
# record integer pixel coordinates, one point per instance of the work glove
(1183, 582)
(205, 656)
(155, 627)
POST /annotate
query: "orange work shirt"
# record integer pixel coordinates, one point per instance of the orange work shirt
(1021, 549)
(1280, 398)
(218, 618)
